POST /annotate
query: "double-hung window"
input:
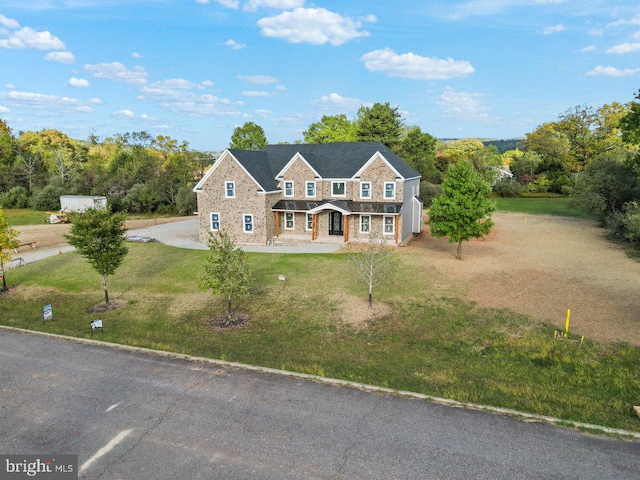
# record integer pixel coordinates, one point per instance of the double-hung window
(389, 225)
(365, 190)
(288, 188)
(229, 189)
(309, 221)
(365, 223)
(389, 190)
(289, 221)
(311, 189)
(215, 221)
(247, 221)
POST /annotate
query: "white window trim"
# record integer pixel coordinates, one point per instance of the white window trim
(361, 190)
(292, 188)
(293, 221)
(345, 189)
(306, 189)
(361, 230)
(384, 193)
(308, 218)
(244, 223)
(211, 214)
(226, 190)
(393, 225)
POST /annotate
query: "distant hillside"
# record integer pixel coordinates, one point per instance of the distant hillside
(501, 145)
(504, 145)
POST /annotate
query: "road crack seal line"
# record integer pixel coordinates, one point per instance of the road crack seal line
(358, 435)
(153, 427)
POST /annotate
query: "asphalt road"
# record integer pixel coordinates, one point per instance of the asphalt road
(140, 416)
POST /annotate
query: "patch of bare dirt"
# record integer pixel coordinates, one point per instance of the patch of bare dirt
(355, 310)
(103, 307)
(50, 235)
(543, 267)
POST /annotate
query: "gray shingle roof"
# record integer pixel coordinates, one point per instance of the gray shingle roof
(348, 205)
(330, 160)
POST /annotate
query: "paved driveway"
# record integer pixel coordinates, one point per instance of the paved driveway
(140, 416)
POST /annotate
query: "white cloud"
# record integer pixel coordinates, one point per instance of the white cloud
(258, 79)
(463, 105)
(312, 25)
(253, 5)
(624, 48)
(613, 71)
(256, 94)
(9, 22)
(124, 113)
(282, 88)
(263, 113)
(633, 21)
(554, 29)
(4, 109)
(10, 86)
(207, 84)
(171, 89)
(596, 32)
(492, 7)
(590, 48)
(61, 57)
(117, 72)
(235, 45)
(136, 55)
(336, 103)
(77, 82)
(51, 102)
(225, 3)
(410, 65)
(29, 38)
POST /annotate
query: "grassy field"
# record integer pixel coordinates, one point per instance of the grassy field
(433, 342)
(542, 206)
(25, 216)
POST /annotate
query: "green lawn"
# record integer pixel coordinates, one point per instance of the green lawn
(24, 216)
(433, 342)
(543, 206)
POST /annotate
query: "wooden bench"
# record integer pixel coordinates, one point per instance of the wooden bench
(30, 244)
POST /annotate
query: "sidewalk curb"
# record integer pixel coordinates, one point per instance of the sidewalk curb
(344, 383)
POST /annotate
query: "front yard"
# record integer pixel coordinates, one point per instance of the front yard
(480, 330)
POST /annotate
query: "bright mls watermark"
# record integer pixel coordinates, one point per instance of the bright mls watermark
(50, 467)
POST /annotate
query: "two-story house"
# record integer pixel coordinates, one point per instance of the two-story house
(315, 193)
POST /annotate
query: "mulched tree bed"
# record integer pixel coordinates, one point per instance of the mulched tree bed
(103, 307)
(222, 322)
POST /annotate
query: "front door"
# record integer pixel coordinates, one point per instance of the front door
(335, 223)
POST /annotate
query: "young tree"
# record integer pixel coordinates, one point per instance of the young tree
(463, 211)
(250, 136)
(8, 241)
(226, 272)
(374, 265)
(99, 236)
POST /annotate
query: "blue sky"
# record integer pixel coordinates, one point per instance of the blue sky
(196, 69)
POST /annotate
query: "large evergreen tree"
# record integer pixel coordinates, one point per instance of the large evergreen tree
(463, 210)
(379, 123)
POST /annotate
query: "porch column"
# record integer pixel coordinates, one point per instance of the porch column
(277, 224)
(397, 225)
(314, 226)
(346, 228)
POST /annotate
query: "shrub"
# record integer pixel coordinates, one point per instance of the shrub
(139, 199)
(508, 187)
(186, 201)
(428, 192)
(631, 221)
(17, 197)
(48, 197)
